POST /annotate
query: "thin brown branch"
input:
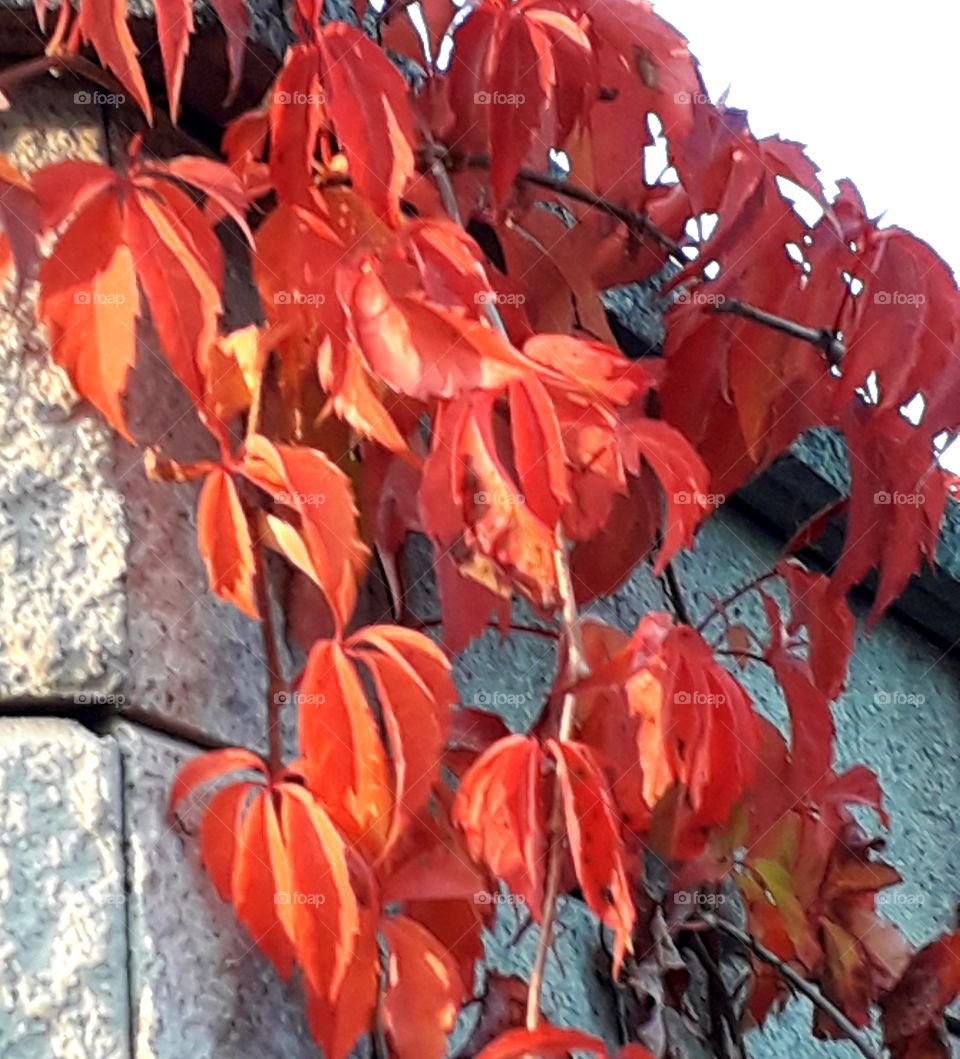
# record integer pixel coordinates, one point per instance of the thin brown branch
(721, 605)
(810, 991)
(532, 630)
(275, 684)
(575, 667)
(750, 656)
(675, 592)
(824, 338)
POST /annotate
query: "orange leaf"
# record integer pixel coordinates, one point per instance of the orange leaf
(254, 889)
(89, 303)
(225, 543)
(596, 845)
(424, 990)
(413, 684)
(207, 767)
(180, 266)
(366, 99)
(104, 25)
(319, 909)
(551, 1042)
(501, 808)
(306, 481)
(174, 26)
(345, 761)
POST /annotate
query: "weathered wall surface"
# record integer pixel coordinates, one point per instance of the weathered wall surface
(112, 943)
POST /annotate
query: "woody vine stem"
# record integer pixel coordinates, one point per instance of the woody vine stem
(575, 668)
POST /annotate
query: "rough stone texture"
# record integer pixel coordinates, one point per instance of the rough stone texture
(102, 591)
(199, 987)
(63, 987)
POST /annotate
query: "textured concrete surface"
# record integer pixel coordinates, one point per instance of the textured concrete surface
(63, 990)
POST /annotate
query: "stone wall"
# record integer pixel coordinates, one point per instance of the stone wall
(116, 665)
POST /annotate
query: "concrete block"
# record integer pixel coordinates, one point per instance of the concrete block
(63, 961)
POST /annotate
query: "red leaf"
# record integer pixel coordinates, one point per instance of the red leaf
(306, 481)
(219, 833)
(913, 1011)
(596, 846)
(236, 28)
(225, 543)
(367, 102)
(346, 765)
(412, 680)
(254, 888)
(89, 303)
(682, 476)
(550, 1042)
(104, 25)
(829, 624)
(180, 266)
(520, 84)
(207, 767)
(424, 990)
(501, 809)
(174, 26)
(319, 910)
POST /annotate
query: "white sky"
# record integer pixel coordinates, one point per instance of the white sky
(872, 89)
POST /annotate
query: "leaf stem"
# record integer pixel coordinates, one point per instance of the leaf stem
(721, 605)
(795, 979)
(275, 684)
(576, 667)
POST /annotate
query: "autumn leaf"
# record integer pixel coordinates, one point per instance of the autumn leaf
(501, 809)
(551, 1042)
(913, 1011)
(104, 25)
(424, 991)
(307, 483)
(225, 543)
(367, 103)
(89, 304)
(596, 845)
